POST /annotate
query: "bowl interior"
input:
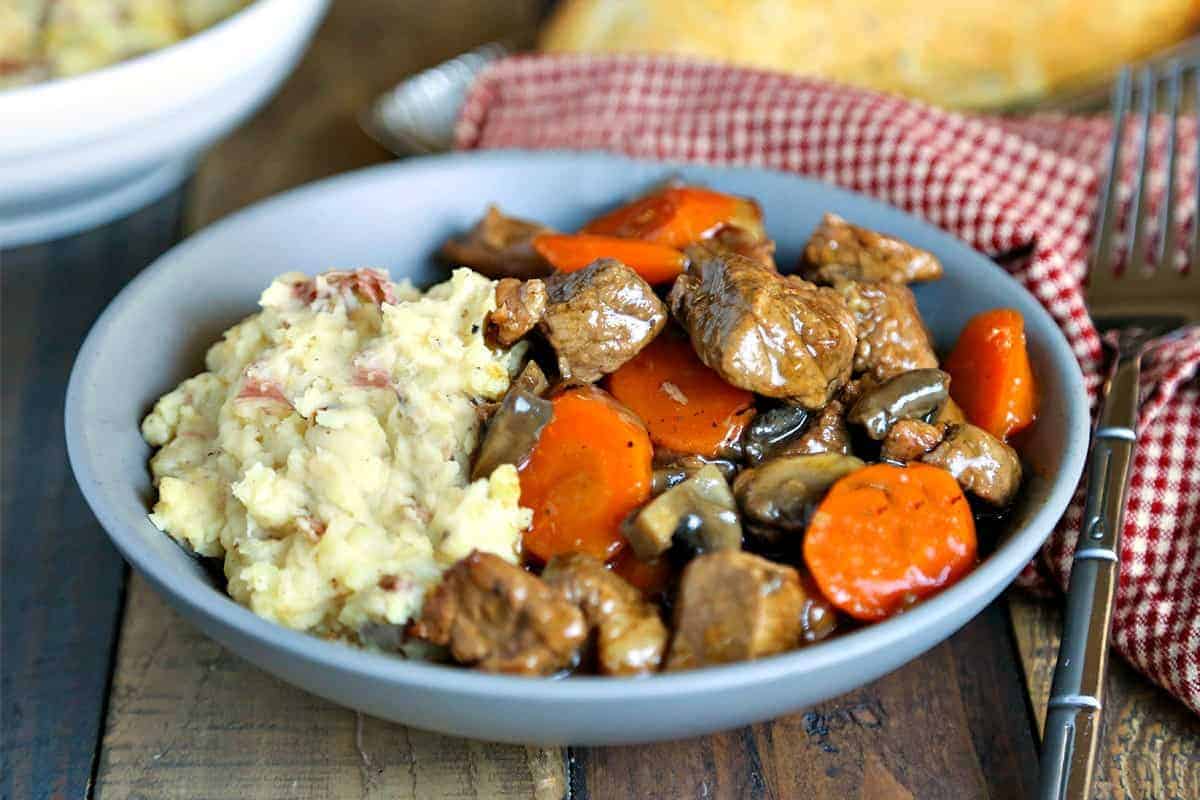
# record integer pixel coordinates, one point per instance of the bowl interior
(155, 334)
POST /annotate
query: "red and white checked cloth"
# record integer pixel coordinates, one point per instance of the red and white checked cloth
(1001, 185)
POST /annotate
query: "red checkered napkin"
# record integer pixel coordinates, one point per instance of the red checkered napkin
(1002, 185)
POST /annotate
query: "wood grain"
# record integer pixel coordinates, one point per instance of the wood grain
(61, 582)
(1151, 744)
(190, 720)
(951, 725)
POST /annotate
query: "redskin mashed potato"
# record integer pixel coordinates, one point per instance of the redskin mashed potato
(324, 453)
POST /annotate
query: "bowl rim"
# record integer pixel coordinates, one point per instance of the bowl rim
(161, 58)
(220, 610)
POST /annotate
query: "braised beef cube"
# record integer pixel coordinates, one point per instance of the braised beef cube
(775, 335)
(600, 317)
(982, 464)
(499, 246)
(519, 308)
(910, 439)
(841, 251)
(497, 617)
(891, 335)
(825, 434)
(734, 606)
(630, 634)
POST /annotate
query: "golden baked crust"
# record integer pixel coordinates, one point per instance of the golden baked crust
(976, 54)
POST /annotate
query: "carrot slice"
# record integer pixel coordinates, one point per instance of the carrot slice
(567, 253)
(686, 406)
(590, 468)
(991, 378)
(678, 216)
(886, 536)
(651, 577)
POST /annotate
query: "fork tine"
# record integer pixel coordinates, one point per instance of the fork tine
(1167, 236)
(1135, 256)
(1106, 206)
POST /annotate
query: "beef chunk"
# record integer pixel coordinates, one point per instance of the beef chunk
(825, 434)
(734, 606)
(752, 244)
(630, 635)
(982, 464)
(841, 251)
(499, 618)
(775, 335)
(600, 317)
(909, 439)
(891, 335)
(499, 247)
(519, 308)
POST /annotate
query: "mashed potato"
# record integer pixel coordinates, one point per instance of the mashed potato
(41, 39)
(324, 453)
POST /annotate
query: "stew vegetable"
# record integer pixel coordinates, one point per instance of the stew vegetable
(724, 461)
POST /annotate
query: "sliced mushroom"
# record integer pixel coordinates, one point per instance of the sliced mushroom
(910, 395)
(701, 511)
(680, 468)
(780, 493)
(982, 464)
(531, 379)
(770, 430)
(512, 432)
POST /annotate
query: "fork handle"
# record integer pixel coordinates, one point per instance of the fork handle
(1073, 717)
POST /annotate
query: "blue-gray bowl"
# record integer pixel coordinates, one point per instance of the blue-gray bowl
(155, 332)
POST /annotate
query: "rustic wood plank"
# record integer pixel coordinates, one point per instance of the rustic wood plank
(952, 724)
(60, 589)
(188, 719)
(1151, 744)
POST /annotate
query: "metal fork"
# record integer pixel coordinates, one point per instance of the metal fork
(1149, 298)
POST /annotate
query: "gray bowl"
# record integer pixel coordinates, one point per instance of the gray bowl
(155, 332)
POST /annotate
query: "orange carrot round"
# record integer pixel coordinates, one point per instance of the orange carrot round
(656, 263)
(590, 468)
(885, 536)
(678, 216)
(991, 378)
(685, 405)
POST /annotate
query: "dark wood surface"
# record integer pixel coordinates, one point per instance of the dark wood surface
(62, 581)
(182, 718)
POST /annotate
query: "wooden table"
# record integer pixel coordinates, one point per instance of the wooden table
(106, 692)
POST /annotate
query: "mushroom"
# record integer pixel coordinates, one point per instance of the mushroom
(771, 429)
(513, 431)
(780, 493)
(680, 468)
(701, 511)
(915, 394)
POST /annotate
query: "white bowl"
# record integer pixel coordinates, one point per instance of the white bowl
(80, 151)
